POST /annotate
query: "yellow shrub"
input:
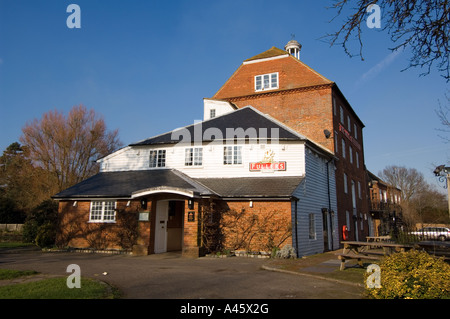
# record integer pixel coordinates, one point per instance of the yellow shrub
(412, 275)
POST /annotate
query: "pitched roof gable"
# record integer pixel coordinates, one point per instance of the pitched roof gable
(293, 74)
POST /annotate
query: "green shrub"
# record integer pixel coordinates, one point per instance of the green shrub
(46, 235)
(41, 222)
(412, 275)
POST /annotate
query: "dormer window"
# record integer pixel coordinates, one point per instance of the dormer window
(266, 82)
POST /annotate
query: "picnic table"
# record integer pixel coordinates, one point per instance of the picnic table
(368, 250)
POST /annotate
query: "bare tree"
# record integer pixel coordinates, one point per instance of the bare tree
(409, 180)
(68, 146)
(420, 25)
(443, 115)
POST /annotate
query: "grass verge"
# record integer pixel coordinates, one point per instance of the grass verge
(53, 288)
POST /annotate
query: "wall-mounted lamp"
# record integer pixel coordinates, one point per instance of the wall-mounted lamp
(128, 203)
(190, 203)
(251, 203)
(75, 203)
(327, 133)
(144, 203)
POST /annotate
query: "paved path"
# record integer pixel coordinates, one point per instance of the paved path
(170, 276)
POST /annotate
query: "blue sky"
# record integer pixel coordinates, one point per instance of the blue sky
(147, 65)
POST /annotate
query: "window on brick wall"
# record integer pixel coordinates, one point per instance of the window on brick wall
(345, 184)
(266, 82)
(103, 212)
(336, 142)
(343, 148)
(350, 154)
(357, 159)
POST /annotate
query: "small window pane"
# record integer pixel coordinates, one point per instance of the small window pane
(274, 80)
(266, 81)
(109, 212)
(153, 158)
(258, 82)
(227, 155)
(198, 156)
(237, 159)
(161, 158)
(96, 211)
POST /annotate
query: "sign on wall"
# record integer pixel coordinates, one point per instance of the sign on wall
(267, 164)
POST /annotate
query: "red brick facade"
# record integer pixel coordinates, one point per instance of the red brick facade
(77, 231)
(309, 103)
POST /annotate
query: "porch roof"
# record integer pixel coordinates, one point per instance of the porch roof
(253, 187)
(131, 184)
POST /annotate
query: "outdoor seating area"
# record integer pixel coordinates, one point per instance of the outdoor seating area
(369, 250)
(376, 247)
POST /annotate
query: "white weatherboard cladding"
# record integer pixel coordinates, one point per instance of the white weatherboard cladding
(137, 158)
(313, 196)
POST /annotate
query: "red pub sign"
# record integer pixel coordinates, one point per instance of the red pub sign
(274, 166)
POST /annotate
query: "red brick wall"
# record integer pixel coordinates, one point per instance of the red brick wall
(272, 227)
(75, 230)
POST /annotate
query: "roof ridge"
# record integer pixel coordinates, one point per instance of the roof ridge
(272, 52)
(191, 180)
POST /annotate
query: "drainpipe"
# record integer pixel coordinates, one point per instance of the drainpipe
(329, 204)
(296, 226)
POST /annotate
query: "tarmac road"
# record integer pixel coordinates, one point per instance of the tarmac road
(170, 276)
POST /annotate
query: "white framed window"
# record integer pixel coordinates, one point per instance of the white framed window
(232, 155)
(312, 227)
(193, 156)
(157, 158)
(266, 82)
(103, 212)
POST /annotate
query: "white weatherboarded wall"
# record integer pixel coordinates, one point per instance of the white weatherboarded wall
(138, 158)
(313, 197)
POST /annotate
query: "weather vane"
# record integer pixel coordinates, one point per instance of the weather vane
(292, 36)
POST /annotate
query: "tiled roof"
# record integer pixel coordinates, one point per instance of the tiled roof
(246, 119)
(253, 187)
(272, 52)
(125, 183)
